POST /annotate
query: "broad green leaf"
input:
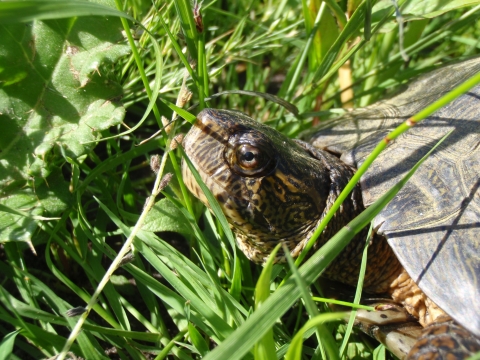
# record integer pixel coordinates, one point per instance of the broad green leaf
(57, 93)
(165, 216)
(433, 8)
(423, 9)
(21, 208)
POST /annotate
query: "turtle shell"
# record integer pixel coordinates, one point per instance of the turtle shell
(433, 224)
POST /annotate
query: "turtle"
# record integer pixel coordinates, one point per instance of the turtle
(425, 253)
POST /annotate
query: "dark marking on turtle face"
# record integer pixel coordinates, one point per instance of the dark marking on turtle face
(295, 183)
(236, 187)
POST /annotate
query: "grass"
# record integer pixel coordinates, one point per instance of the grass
(184, 286)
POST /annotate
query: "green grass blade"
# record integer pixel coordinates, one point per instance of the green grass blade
(358, 291)
(265, 347)
(295, 350)
(352, 27)
(367, 32)
(22, 11)
(6, 345)
(197, 340)
(343, 303)
(185, 14)
(222, 328)
(203, 89)
(236, 311)
(235, 290)
(244, 47)
(88, 344)
(324, 336)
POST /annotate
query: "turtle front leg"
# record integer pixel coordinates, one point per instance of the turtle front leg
(441, 338)
(394, 327)
(406, 292)
(416, 330)
(391, 325)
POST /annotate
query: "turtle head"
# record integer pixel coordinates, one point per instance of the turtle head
(270, 189)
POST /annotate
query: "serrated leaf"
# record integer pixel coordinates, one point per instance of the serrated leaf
(165, 216)
(57, 93)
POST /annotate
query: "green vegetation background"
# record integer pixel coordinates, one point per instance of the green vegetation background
(84, 84)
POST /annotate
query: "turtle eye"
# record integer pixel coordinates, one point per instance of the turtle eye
(249, 155)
